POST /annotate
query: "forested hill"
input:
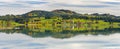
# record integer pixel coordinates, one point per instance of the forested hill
(64, 14)
(48, 14)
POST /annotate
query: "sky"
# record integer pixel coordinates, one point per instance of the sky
(79, 6)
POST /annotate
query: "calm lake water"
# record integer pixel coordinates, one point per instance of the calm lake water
(56, 38)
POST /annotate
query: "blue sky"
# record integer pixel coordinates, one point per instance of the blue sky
(80, 6)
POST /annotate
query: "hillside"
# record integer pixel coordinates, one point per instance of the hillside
(64, 14)
(62, 11)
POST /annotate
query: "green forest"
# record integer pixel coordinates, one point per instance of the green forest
(58, 18)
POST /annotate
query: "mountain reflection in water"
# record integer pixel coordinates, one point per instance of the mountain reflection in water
(37, 31)
(59, 37)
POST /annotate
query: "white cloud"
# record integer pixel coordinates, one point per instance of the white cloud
(7, 0)
(81, 6)
(110, 0)
(20, 41)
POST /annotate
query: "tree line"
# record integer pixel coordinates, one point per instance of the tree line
(64, 14)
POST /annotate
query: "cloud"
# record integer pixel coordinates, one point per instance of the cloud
(18, 4)
(34, 2)
(97, 6)
(21, 41)
(8, 1)
(114, 3)
(88, 6)
(110, 0)
(13, 5)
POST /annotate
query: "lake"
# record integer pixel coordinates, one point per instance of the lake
(34, 37)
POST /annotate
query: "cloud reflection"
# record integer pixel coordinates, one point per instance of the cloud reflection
(81, 41)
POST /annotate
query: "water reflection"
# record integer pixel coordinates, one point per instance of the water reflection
(38, 31)
(20, 41)
(59, 37)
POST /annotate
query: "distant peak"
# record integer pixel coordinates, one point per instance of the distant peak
(37, 11)
(64, 11)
